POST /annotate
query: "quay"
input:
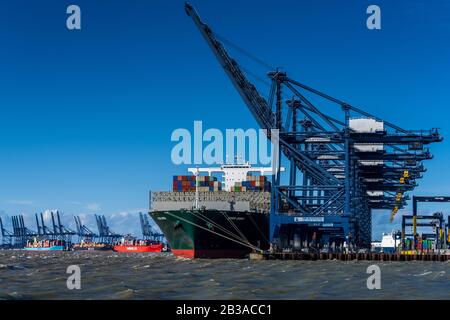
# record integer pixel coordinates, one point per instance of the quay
(402, 256)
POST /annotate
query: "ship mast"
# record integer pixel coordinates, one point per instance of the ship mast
(196, 201)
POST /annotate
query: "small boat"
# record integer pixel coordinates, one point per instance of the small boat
(139, 246)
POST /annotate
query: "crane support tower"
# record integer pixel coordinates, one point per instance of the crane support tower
(106, 235)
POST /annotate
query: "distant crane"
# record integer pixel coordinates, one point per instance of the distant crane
(106, 235)
(7, 236)
(83, 232)
(147, 231)
(42, 229)
(57, 231)
(60, 232)
(21, 234)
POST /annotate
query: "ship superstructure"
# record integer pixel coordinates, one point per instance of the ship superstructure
(232, 173)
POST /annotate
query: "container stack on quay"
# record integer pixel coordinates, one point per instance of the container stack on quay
(252, 183)
(187, 184)
(422, 245)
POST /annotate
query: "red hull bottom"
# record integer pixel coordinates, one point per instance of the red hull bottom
(149, 248)
(210, 254)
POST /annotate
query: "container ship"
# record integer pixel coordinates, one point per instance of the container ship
(92, 246)
(206, 218)
(46, 245)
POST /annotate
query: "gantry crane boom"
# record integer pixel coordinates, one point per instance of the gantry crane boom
(256, 103)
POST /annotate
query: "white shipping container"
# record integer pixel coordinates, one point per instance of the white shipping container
(367, 125)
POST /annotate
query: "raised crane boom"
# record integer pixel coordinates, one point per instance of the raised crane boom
(256, 103)
(258, 106)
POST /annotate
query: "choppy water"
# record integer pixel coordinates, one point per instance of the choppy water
(109, 275)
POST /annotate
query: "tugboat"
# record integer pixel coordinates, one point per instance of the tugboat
(129, 244)
(46, 245)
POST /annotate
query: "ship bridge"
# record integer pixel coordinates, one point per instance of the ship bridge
(233, 173)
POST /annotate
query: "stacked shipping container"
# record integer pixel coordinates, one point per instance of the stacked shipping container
(421, 244)
(187, 184)
(252, 183)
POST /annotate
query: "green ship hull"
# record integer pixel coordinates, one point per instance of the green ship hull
(213, 233)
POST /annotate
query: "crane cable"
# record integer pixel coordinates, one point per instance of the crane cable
(216, 233)
(214, 224)
(221, 235)
(257, 228)
(235, 227)
(244, 52)
(249, 55)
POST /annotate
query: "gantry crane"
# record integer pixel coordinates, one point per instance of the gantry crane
(105, 233)
(42, 229)
(57, 231)
(147, 231)
(83, 232)
(436, 221)
(347, 171)
(21, 234)
(7, 236)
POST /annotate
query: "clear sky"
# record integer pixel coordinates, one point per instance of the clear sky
(86, 115)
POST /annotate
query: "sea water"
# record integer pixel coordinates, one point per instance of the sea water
(110, 275)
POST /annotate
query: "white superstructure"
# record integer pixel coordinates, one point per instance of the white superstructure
(390, 241)
(388, 244)
(233, 173)
(368, 125)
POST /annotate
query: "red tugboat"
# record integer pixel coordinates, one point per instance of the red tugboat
(139, 246)
(151, 242)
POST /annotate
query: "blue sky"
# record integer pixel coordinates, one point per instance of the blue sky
(86, 116)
